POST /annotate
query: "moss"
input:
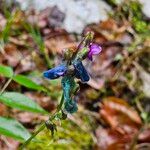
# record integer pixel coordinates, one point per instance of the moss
(139, 24)
(92, 94)
(132, 11)
(69, 136)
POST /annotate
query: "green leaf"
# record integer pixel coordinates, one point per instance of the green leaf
(25, 81)
(13, 128)
(6, 71)
(20, 101)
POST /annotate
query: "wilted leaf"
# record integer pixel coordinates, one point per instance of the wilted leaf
(3, 109)
(26, 64)
(13, 143)
(45, 101)
(59, 43)
(118, 114)
(124, 123)
(2, 22)
(14, 129)
(145, 135)
(12, 55)
(110, 139)
(20, 101)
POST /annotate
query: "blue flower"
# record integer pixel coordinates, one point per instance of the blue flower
(56, 72)
(80, 71)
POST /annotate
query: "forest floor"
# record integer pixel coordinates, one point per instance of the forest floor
(114, 106)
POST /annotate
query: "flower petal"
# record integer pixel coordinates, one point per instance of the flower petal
(94, 50)
(80, 71)
(56, 72)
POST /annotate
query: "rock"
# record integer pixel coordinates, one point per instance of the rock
(146, 6)
(78, 13)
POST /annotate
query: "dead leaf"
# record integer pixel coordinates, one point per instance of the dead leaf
(144, 136)
(29, 118)
(3, 109)
(2, 22)
(57, 44)
(7, 143)
(42, 100)
(124, 123)
(110, 139)
(11, 56)
(26, 64)
(109, 24)
(119, 115)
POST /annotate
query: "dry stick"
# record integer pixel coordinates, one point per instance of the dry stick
(142, 145)
(5, 86)
(128, 61)
(42, 127)
(135, 138)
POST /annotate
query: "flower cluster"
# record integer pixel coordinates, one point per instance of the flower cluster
(72, 67)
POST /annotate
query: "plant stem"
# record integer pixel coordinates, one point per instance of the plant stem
(43, 124)
(5, 86)
(47, 59)
(61, 103)
(135, 139)
(34, 135)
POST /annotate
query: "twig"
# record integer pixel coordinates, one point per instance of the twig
(5, 86)
(128, 61)
(135, 138)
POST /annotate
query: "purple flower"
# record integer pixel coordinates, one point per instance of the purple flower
(56, 72)
(94, 50)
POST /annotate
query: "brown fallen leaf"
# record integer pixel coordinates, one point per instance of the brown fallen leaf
(29, 118)
(42, 100)
(110, 139)
(120, 115)
(2, 22)
(144, 136)
(8, 143)
(11, 56)
(3, 109)
(26, 64)
(57, 44)
(124, 123)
